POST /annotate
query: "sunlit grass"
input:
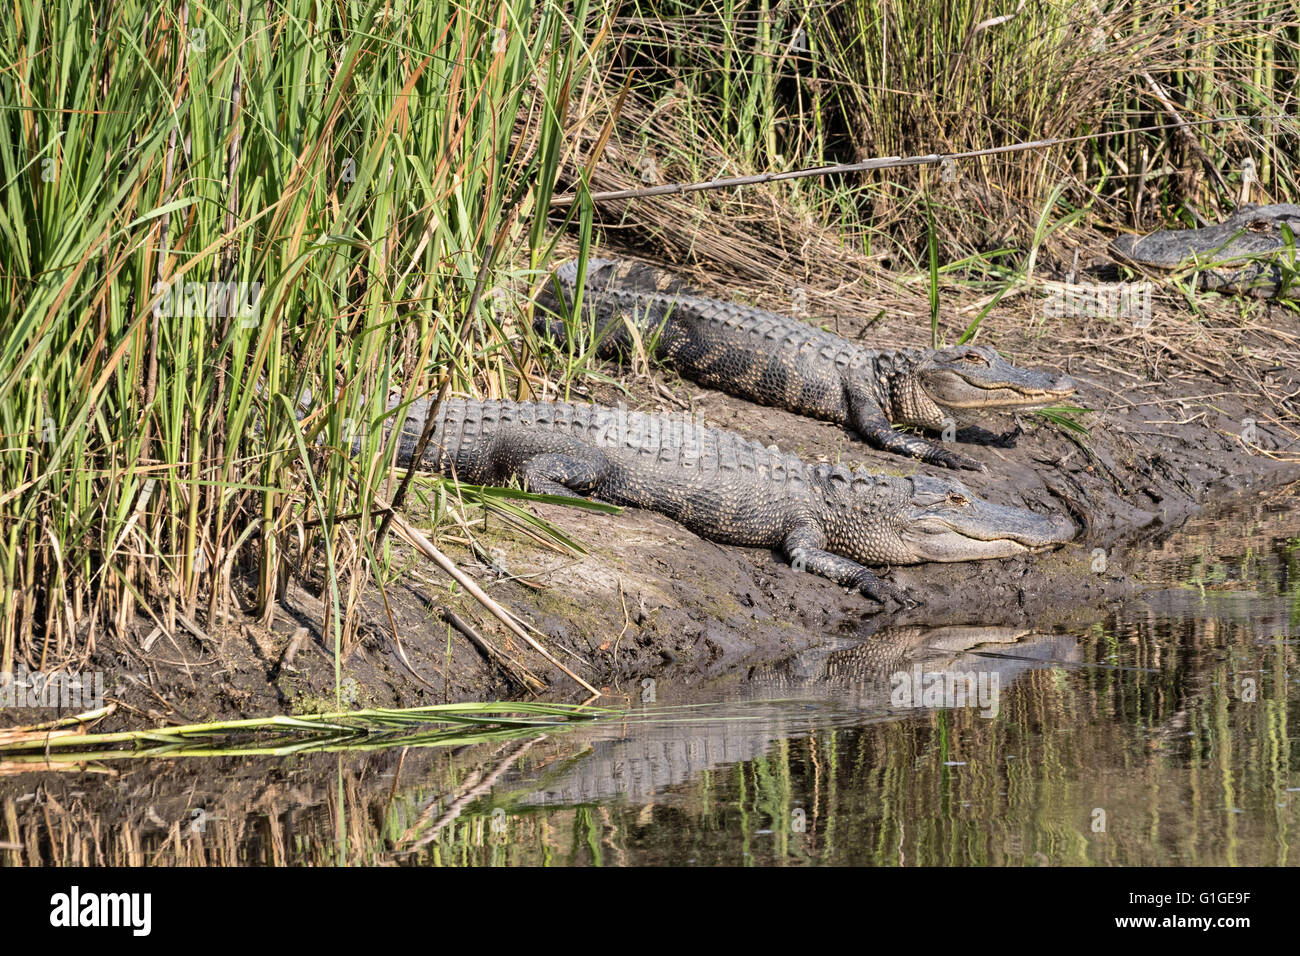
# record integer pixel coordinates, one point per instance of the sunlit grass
(370, 180)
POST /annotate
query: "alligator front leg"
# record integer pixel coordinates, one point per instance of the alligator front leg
(877, 432)
(570, 476)
(805, 549)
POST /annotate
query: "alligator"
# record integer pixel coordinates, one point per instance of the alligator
(1252, 252)
(825, 519)
(777, 360)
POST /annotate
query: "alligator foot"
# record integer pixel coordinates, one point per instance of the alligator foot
(877, 432)
(882, 592)
(571, 475)
(950, 459)
(803, 547)
(540, 486)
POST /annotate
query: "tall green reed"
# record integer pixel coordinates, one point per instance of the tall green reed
(216, 219)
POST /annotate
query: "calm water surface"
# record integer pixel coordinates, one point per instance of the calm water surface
(1160, 731)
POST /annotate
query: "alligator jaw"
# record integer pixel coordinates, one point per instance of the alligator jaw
(974, 395)
(977, 377)
(948, 523)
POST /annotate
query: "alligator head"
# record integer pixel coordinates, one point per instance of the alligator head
(1243, 254)
(877, 519)
(928, 384)
(974, 376)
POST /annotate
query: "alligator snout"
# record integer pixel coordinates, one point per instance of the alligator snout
(949, 523)
(1062, 386)
(1051, 531)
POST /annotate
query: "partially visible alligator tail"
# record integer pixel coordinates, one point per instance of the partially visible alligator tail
(603, 277)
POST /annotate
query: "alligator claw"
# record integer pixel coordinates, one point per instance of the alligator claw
(883, 591)
(961, 462)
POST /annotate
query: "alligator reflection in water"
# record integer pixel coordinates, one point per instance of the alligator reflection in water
(1159, 731)
(882, 677)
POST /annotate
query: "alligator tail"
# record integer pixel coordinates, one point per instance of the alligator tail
(555, 299)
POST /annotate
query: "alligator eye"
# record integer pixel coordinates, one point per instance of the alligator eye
(961, 501)
(975, 358)
(1259, 225)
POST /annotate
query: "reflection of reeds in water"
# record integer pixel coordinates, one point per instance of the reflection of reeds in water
(1150, 724)
(1255, 546)
(438, 725)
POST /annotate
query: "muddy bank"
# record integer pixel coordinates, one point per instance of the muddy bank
(1168, 435)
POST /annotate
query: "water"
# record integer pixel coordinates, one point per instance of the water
(1155, 732)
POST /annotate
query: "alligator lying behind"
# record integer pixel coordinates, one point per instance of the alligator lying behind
(1250, 253)
(777, 360)
(824, 519)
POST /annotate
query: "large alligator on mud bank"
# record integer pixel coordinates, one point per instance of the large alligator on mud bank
(1246, 254)
(825, 519)
(778, 360)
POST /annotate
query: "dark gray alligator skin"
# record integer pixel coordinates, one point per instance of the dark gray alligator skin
(777, 360)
